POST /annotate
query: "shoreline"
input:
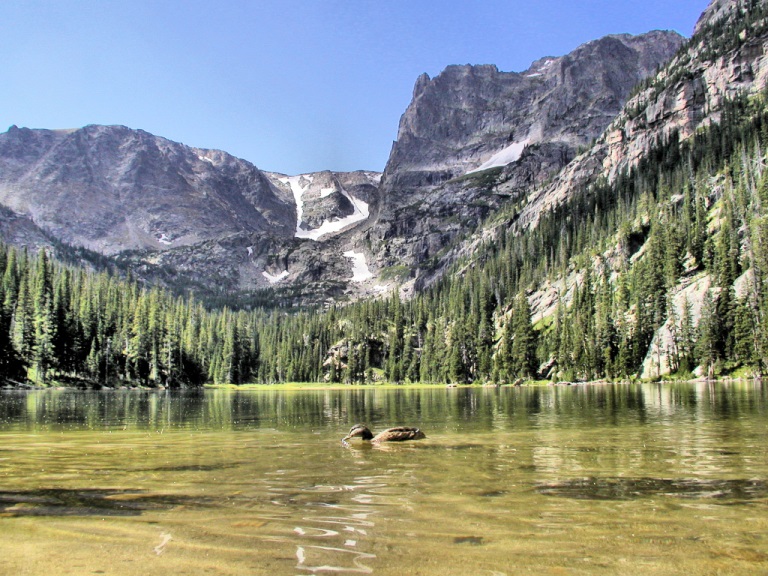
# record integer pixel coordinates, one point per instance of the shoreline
(318, 386)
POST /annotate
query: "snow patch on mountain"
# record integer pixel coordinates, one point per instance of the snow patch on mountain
(295, 182)
(275, 279)
(299, 185)
(546, 65)
(360, 270)
(361, 213)
(541, 70)
(505, 156)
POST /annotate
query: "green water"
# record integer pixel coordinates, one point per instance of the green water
(648, 479)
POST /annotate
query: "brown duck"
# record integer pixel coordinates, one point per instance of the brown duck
(397, 434)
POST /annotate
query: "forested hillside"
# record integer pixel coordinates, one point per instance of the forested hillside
(622, 252)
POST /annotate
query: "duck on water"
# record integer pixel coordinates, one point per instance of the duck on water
(397, 434)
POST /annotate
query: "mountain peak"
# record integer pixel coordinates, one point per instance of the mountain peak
(719, 9)
(421, 82)
(111, 188)
(472, 119)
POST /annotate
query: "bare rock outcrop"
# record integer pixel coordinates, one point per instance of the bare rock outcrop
(112, 189)
(687, 94)
(473, 127)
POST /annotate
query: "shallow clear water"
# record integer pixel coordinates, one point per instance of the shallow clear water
(652, 479)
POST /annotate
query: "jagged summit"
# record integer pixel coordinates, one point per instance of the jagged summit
(111, 188)
(718, 9)
(687, 94)
(223, 224)
(470, 119)
(467, 112)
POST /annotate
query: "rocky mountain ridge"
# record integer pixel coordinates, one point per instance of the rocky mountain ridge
(686, 94)
(726, 59)
(179, 215)
(473, 140)
(472, 127)
(111, 189)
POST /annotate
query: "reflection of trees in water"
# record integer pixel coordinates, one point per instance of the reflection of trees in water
(99, 409)
(479, 408)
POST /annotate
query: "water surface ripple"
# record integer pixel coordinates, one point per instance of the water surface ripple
(645, 479)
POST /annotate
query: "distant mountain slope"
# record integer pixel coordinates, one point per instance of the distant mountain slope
(464, 126)
(727, 56)
(112, 189)
(177, 215)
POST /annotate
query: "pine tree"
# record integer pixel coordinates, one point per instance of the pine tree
(523, 346)
(485, 333)
(230, 353)
(11, 365)
(396, 343)
(22, 322)
(44, 319)
(686, 339)
(708, 335)
(744, 331)
(138, 352)
(458, 366)
(93, 363)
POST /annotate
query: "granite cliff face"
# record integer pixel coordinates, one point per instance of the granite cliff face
(471, 117)
(716, 10)
(474, 126)
(686, 94)
(111, 189)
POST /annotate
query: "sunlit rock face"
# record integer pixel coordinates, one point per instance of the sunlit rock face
(111, 189)
(688, 93)
(470, 124)
(467, 115)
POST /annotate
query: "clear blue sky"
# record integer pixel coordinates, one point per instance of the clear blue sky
(290, 85)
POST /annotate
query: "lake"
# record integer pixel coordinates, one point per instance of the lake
(614, 479)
